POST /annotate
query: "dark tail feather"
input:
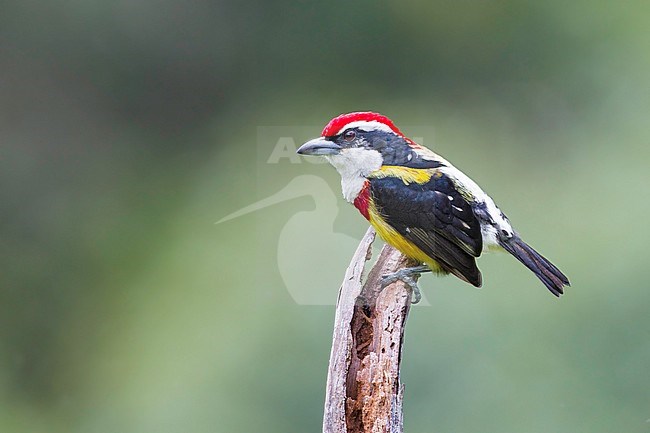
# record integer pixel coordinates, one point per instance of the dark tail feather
(551, 276)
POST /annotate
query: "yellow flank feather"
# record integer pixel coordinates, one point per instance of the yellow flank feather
(393, 238)
(406, 174)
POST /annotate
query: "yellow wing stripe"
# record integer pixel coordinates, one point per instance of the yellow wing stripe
(406, 174)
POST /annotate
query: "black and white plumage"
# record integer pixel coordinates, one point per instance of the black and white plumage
(419, 202)
(424, 215)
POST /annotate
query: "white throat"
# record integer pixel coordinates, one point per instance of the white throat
(354, 165)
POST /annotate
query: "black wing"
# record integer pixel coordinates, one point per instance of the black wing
(434, 217)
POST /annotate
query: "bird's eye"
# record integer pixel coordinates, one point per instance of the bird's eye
(349, 135)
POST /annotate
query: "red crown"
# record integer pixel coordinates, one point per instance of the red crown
(339, 122)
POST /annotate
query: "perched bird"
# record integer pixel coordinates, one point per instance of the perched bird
(421, 204)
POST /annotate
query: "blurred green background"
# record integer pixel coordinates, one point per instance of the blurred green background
(128, 128)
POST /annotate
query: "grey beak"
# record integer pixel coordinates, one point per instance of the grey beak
(319, 146)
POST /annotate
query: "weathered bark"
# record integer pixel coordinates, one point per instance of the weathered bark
(364, 393)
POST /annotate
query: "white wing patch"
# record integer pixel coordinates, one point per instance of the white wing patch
(489, 232)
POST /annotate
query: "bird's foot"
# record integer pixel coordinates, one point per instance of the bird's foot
(407, 276)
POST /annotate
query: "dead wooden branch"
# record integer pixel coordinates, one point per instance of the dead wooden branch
(364, 393)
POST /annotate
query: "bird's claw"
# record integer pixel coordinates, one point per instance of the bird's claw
(407, 277)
